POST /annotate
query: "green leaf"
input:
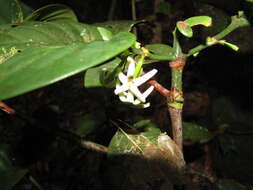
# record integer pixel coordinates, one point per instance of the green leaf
(86, 124)
(160, 52)
(142, 123)
(103, 75)
(251, 1)
(134, 140)
(225, 184)
(5, 163)
(148, 143)
(230, 45)
(37, 67)
(185, 29)
(44, 34)
(199, 20)
(9, 175)
(106, 34)
(51, 13)
(118, 26)
(197, 133)
(8, 179)
(11, 11)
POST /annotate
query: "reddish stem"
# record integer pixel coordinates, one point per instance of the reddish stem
(159, 88)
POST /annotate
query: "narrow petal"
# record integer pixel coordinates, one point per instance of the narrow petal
(136, 102)
(123, 78)
(122, 98)
(121, 89)
(130, 97)
(137, 93)
(148, 91)
(144, 78)
(131, 67)
(143, 105)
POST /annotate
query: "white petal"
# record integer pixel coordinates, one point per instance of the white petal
(136, 102)
(144, 78)
(146, 105)
(148, 91)
(123, 78)
(130, 97)
(122, 97)
(131, 67)
(143, 105)
(137, 93)
(120, 89)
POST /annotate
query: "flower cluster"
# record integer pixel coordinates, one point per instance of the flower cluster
(127, 86)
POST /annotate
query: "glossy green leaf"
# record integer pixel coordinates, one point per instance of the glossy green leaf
(199, 20)
(197, 133)
(103, 75)
(106, 34)
(251, 1)
(37, 67)
(185, 29)
(160, 52)
(51, 13)
(44, 34)
(118, 26)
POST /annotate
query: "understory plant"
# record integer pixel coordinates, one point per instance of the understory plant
(48, 45)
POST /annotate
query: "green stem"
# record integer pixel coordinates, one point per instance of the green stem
(176, 79)
(175, 103)
(236, 22)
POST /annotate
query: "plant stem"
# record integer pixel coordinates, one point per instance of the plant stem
(236, 22)
(177, 126)
(134, 15)
(175, 100)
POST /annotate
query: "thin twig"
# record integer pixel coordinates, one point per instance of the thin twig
(159, 88)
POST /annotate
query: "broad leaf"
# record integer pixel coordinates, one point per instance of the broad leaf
(199, 20)
(44, 34)
(196, 133)
(37, 67)
(118, 26)
(185, 29)
(52, 12)
(160, 52)
(104, 75)
(134, 140)
(146, 148)
(11, 12)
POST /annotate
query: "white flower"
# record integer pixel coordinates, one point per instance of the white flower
(127, 86)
